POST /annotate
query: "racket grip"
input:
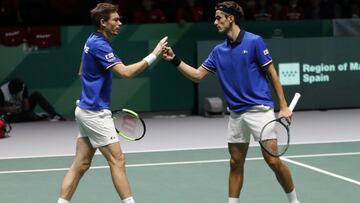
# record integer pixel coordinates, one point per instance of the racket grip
(294, 101)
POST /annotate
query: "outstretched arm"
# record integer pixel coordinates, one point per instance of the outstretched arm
(188, 71)
(129, 71)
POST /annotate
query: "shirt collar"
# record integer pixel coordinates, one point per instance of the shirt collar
(97, 33)
(239, 38)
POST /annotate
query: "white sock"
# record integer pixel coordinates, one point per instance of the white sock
(292, 197)
(61, 200)
(129, 200)
(233, 200)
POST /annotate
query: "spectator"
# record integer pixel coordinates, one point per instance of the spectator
(347, 9)
(19, 107)
(276, 8)
(263, 11)
(292, 11)
(249, 9)
(313, 11)
(35, 12)
(327, 9)
(169, 8)
(65, 11)
(148, 13)
(355, 10)
(9, 12)
(190, 11)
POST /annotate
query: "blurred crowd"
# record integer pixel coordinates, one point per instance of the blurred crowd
(71, 12)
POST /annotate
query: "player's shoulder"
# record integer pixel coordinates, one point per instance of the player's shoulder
(95, 40)
(252, 36)
(220, 45)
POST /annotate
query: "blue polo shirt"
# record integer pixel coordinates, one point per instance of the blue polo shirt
(240, 68)
(96, 78)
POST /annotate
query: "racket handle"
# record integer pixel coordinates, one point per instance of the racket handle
(294, 101)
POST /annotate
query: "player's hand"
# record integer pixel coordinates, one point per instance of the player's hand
(168, 53)
(159, 47)
(286, 113)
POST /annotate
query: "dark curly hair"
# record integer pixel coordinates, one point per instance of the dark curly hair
(231, 8)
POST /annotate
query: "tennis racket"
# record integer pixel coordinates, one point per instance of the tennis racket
(129, 125)
(275, 135)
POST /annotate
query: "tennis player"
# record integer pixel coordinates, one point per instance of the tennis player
(92, 113)
(243, 64)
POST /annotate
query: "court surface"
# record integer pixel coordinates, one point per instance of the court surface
(184, 159)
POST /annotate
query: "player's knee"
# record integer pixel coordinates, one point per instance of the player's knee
(83, 166)
(236, 164)
(118, 160)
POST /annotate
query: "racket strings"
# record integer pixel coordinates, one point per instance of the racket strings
(128, 125)
(275, 138)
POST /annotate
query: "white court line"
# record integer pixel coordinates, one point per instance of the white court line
(176, 149)
(322, 171)
(179, 163)
(127, 165)
(322, 155)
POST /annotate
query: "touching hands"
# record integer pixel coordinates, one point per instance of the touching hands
(160, 46)
(168, 53)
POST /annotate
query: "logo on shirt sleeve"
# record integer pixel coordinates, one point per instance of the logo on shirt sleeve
(86, 49)
(110, 57)
(266, 52)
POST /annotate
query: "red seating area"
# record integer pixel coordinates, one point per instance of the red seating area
(70, 12)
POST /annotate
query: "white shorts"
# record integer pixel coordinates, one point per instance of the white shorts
(98, 126)
(242, 125)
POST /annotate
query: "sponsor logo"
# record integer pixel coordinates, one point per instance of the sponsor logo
(266, 52)
(86, 49)
(289, 73)
(110, 56)
(43, 36)
(11, 34)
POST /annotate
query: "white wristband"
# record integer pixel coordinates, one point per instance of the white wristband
(150, 58)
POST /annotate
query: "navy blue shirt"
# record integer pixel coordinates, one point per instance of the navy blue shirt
(240, 68)
(96, 77)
